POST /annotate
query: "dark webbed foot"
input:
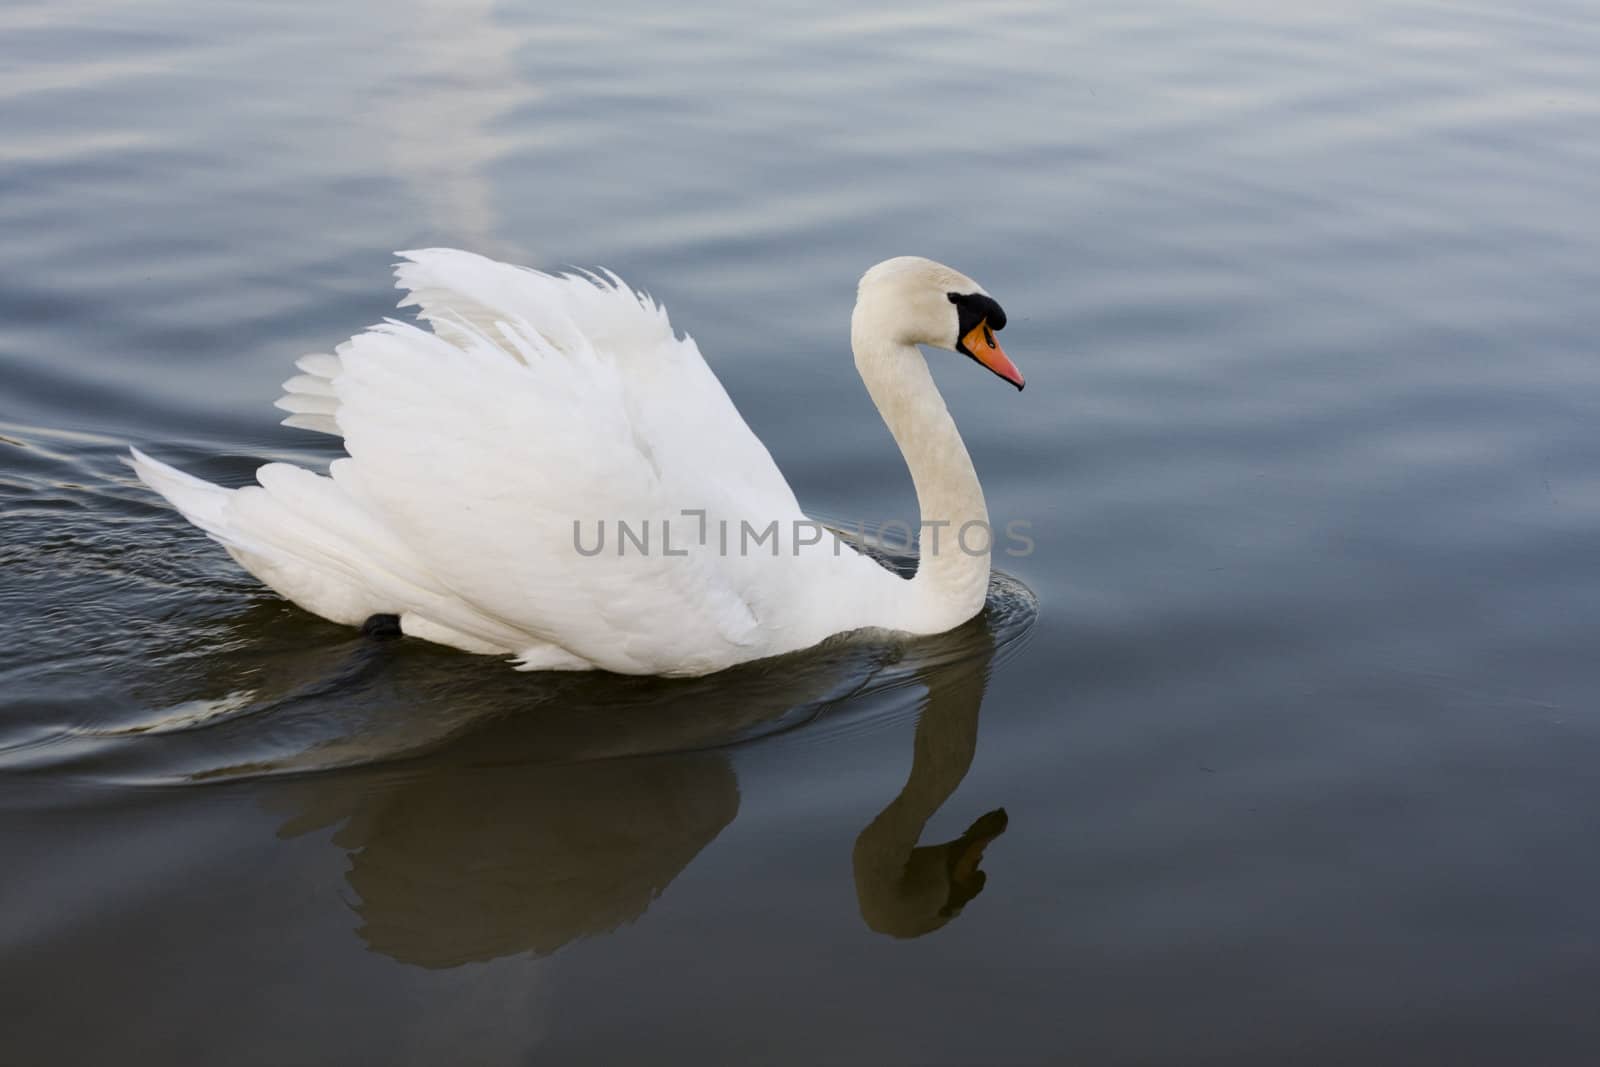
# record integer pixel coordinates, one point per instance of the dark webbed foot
(382, 626)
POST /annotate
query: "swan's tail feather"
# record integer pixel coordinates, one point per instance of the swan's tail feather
(201, 502)
(268, 539)
(307, 538)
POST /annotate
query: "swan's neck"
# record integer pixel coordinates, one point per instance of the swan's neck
(953, 576)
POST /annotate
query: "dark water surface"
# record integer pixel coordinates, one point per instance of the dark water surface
(1299, 762)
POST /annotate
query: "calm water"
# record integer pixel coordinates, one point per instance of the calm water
(1296, 762)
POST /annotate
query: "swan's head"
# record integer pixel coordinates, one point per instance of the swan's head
(916, 301)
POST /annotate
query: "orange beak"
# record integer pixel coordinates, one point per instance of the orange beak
(979, 343)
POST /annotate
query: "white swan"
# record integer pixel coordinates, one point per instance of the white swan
(484, 457)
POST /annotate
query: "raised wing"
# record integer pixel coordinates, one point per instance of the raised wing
(671, 397)
(540, 409)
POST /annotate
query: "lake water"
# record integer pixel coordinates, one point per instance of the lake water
(1281, 746)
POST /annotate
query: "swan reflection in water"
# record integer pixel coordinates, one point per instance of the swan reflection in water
(489, 813)
(464, 865)
(488, 848)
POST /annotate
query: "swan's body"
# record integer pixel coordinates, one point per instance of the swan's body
(485, 455)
